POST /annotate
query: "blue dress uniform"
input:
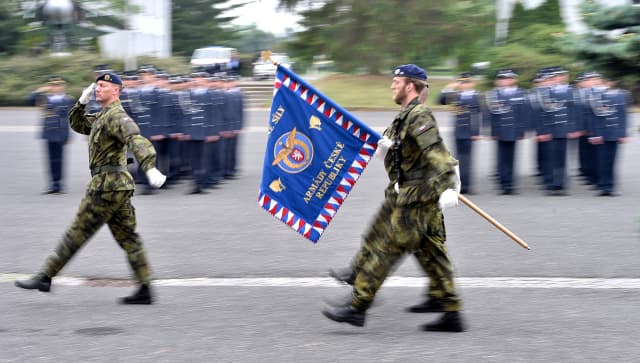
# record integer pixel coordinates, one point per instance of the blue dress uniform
(214, 148)
(194, 127)
(236, 121)
(468, 118)
(507, 109)
(55, 129)
(171, 105)
(558, 120)
(608, 124)
(586, 151)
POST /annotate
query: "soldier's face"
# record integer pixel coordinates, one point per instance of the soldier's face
(106, 91)
(399, 90)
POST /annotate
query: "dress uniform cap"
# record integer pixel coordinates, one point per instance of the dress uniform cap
(506, 73)
(464, 77)
(56, 80)
(410, 71)
(110, 77)
(587, 75)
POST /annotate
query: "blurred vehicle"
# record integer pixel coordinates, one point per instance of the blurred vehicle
(265, 69)
(213, 59)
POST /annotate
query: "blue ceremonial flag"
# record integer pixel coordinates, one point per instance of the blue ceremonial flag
(315, 153)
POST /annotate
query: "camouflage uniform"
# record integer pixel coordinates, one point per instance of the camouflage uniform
(108, 197)
(410, 221)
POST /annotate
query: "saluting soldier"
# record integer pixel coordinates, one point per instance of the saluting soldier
(507, 109)
(608, 128)
(55, 105)
(467, 106)
(108, 198)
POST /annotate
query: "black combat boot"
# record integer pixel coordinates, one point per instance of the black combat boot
(38, 282)
(430, 305)
(140, 297)
(449, 322)
(346, 275)
(345, 314)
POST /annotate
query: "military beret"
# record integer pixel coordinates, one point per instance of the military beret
(506, 73)
(56, 80)
(410, 71)
(110, 77)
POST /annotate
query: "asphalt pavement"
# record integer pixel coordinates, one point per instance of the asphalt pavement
(236, 285)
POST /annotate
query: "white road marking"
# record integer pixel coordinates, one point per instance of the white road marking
(394, 281)
(248, 129)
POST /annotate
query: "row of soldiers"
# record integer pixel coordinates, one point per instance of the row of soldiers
(593, 112)
(193, 121)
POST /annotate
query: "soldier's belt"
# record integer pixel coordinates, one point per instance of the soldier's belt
(412, 182)
(107, 168)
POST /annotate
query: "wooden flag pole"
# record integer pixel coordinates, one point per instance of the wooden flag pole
(497, 224)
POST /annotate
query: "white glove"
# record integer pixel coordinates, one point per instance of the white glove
(155, 177)
(86, 94)
(384, 144)
(448, 199)
(456, 179)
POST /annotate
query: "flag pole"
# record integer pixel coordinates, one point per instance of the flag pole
(491, 220)
(266, 55)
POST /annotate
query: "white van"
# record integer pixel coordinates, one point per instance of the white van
(213, 59)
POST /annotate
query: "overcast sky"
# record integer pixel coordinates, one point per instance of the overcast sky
(263, 13)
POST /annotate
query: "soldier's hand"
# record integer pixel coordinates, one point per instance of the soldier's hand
(384, 144)
(86, 94)
(156, 178)
(448, 199)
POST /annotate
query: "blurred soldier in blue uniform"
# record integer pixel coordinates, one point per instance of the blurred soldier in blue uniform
(161, 122)
(213, 147)
(467, 106)
(554, 126)
(193, 132)
(55, 104)
(607, 128)
(586, 151)
(537, 116)
(507, 109)
(234, 120)
(171, 104)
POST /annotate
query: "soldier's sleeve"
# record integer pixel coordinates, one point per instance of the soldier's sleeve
(425, 130)
(128, 132)
(78, 121)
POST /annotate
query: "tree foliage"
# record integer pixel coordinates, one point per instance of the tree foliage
(199, 23)
(612, 46)
(374, 35)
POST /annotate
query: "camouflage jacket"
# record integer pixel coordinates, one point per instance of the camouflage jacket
(111, 131)
(425, 165)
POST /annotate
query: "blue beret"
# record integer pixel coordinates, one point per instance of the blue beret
(410, 71)
(110, 77)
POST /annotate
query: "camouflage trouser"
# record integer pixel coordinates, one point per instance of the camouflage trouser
(96, 209)
(395, 231)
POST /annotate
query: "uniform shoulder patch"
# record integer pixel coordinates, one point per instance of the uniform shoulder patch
(129, 127)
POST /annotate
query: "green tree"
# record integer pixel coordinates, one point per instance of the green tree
(372, 36)
(612, 45)
(199, 23)
(10, 24)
